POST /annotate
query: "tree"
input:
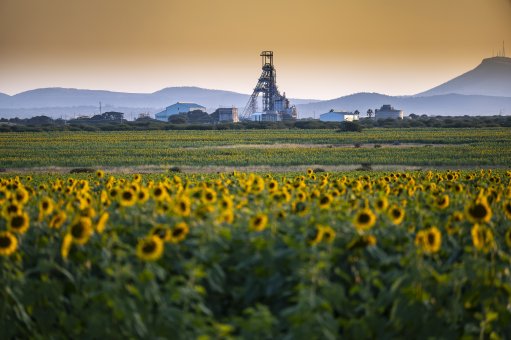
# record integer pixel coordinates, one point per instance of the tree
(369, 113)
(357, 113)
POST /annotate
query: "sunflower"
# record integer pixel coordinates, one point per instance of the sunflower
(396, 214)
(209, 195)
(258, 222)
(432, 240)
(507, 209)
(142, 195)
(159, 193)
(100, 174)
(137, 178)
(66, 246)
(81, 230)
(457, 216)
(310, 172)
(179, 232)
(507, 237)
(114, 192)
(58, 220)
(482, 238)
(4, 195)
(328, 233)
(226, 203)
(45, 206)
(381, 204)
(364, 219)
(479, 211)
(162, 232)
(273, 185)
(182, 206)
(299, 208)
(150, 248)
(127, 198)
(362, 242)
(442, 202)
(21, 196)
(8, 243)
(18, 223)
(100, 226)
(12, 208)
(315, 236)
(429, 240)
(325, 201)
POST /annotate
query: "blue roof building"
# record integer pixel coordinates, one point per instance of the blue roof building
(178, 108)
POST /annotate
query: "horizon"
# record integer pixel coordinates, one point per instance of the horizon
(323, 51)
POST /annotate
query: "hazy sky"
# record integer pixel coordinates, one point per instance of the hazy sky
(323, 48)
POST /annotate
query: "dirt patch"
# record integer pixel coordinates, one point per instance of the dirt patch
(328, 146)
(156, 169)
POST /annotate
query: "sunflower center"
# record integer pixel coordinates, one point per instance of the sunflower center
(209, 196)
(508, 207)
(5, 242)
(45, 205)
(177, 232)
(431, 238)
(396, 213)
(127, 195)
(77, 230)
(17, 222)
(478, 211)
(325, 200)
(364, 218)
(149, 247)
(182, 205)
(158, 192)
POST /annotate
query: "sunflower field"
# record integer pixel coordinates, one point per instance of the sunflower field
(243, 255)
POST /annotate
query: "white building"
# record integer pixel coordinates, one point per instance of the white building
(265, 117)
(178, 108)
(387, 111)
(338, 116)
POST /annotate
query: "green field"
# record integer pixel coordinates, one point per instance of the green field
(420, 147)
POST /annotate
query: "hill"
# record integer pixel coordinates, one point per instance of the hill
(56, 102)
(491, 78)
(447, 105)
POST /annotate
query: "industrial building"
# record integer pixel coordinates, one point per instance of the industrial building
(225, 115)
(338, 116)
(178, 108)
(387, 111)
(276, 107)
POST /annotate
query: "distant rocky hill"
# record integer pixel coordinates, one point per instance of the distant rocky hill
(485, 90)
(64, 101)
(446, 105)
(491, 78)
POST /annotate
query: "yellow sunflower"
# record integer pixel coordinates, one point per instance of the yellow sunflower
(161, 231)
(315, 236)
(258, 222)
(142, 195)
(381, 204)
(150, 248)
(179, 232)
(12, 208)
(429, 240)
(209, 196)
(18, 223)
(507, 209)
(21, 196)
(127, 197)
(325, 201)
(81, 230)
(8, 243)
(396, 214)
(508, 237)
(482, 238)
(66, 246)
(46, 206)
(273, 185)
(328, 233)
(442, 202)
(364, 219)
(479, 211)
(100, 174)
(58, 220)
(182, 206)
(159, 193)
(103, 219)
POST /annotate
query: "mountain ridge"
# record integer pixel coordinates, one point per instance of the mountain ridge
(492, 77)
